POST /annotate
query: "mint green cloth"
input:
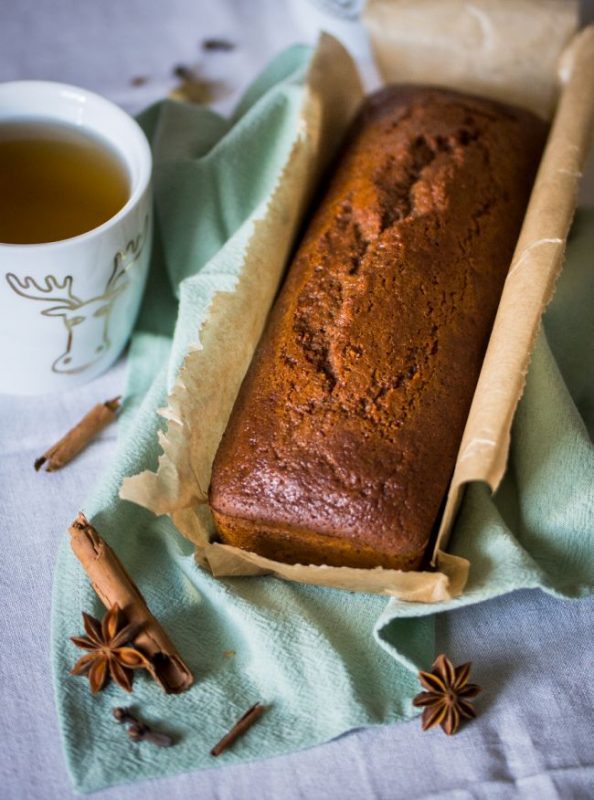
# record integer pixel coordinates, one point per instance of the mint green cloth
(308, 653)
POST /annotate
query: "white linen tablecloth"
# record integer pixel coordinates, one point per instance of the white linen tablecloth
(533, 654)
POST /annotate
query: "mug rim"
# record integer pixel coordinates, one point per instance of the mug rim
(146, 160)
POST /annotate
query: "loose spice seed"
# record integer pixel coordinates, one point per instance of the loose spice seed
(241, 726)
(77, 438)
(446, 700)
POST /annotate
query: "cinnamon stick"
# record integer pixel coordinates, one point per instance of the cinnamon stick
(114, 585)
(241, 726)
(78, 437)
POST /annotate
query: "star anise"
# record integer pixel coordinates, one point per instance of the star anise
(108, 656)
(447, 697)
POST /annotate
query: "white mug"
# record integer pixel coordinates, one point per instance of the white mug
(67, 308)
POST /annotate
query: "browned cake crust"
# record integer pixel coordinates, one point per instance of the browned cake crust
(345, 432)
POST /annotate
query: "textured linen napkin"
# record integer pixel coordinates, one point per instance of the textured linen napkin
(310, 654)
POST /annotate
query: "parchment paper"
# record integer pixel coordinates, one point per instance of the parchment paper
(203, 396)
(505, 49)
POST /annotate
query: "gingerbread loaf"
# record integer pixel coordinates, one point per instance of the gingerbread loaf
(345, 432)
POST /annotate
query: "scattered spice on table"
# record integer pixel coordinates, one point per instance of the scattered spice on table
(194, 87)
(77, 438)
(108, 652)
(183, 72)
(446, 700)
(241, 726)
(223, 45)
(139, 731)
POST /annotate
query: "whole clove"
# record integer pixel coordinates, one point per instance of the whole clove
(139, 731)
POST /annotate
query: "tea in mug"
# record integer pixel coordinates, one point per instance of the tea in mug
(56, 182)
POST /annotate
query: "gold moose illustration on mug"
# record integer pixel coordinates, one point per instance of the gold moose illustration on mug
(94, 312)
